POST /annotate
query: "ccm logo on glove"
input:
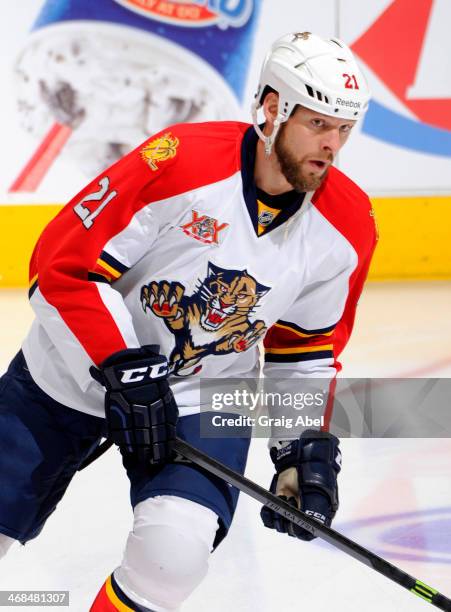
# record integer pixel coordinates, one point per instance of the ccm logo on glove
(140, 409)
(316, 515)
(159, 370)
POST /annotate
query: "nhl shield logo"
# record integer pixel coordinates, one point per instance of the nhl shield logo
(265, 218)
(203, 228)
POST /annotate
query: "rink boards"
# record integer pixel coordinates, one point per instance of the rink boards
(414, 238)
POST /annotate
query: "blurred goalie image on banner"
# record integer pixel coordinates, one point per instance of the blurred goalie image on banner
(97, 78)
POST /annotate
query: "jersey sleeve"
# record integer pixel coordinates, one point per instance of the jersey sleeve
(308, 340)
(108, 227)
(90, 244)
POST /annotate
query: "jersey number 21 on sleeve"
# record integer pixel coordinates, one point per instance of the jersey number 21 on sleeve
(102, 196)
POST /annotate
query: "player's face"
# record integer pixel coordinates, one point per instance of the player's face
(306, 146)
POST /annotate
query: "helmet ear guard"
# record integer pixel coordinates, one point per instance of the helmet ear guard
(319, 74)
(268, 140)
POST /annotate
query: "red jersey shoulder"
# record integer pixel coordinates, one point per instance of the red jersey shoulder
(348, 208)
(188, 156)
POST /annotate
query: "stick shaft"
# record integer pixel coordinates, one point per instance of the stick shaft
(303, 520)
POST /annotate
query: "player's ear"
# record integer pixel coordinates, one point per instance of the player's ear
(270, 108)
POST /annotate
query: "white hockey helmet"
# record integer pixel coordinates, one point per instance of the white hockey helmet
(318, 73)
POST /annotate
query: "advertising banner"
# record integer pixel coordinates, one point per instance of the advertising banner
(404, 145)
(93, 80)
(89, 81)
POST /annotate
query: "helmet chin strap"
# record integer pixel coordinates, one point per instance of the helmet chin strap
(268, 140)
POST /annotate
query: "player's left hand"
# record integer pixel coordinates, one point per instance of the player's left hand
(306, 477)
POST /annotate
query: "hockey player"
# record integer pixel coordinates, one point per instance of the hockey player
(150, 278)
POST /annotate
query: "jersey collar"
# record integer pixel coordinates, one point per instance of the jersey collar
(248, 155)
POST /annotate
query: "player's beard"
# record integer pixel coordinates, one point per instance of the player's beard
(291, 167)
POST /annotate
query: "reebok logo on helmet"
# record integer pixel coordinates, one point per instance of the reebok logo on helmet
(342, 102)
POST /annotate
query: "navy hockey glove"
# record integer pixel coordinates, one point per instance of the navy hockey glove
(140, 408)
(306, 477)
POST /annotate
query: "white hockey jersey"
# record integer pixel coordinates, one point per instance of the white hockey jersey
(163, 248)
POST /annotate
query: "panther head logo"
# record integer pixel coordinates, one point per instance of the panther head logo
(215, 320)
(228, 295)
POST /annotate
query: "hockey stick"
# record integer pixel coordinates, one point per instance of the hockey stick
(317, 529)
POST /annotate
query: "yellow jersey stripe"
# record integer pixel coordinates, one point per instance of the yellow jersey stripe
(114, 598)
(302, 349)
(33, 280)
(114, 273)
(105, 275)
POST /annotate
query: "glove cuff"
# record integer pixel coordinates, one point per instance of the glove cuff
(285, 456)
(131, 354)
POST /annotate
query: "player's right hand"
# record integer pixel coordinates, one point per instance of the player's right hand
(140, 408)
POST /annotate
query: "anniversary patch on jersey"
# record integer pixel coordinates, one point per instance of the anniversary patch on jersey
(203, 228)
(160, 150)
(215, 320)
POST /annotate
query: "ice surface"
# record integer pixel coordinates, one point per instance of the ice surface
(395, 496)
